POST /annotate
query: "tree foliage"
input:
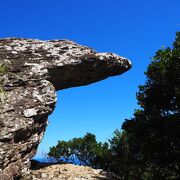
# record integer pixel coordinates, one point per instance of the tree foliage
(86, 149)
(154, 132)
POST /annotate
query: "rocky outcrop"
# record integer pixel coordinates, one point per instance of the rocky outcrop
(35, 71)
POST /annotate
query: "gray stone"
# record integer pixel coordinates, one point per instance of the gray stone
(36, 70)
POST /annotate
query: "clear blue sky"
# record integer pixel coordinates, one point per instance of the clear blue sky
(131, 28)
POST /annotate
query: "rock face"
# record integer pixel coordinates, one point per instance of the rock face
(35, 71)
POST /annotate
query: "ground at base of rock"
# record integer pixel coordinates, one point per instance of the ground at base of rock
(67, 172)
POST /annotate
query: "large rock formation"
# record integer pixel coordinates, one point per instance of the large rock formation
(35, 70)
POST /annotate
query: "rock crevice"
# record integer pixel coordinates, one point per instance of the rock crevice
(36, 70)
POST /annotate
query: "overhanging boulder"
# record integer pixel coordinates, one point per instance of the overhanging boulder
(35, 70)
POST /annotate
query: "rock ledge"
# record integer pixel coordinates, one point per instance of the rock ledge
(36, 70)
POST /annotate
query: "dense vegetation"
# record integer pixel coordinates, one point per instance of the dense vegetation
(86, 149)
(148, 147)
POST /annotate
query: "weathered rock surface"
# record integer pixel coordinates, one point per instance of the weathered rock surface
(36, 69)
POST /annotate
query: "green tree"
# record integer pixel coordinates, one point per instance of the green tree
(154, 132)
(60, 150)
(118, 161)
(87, 149)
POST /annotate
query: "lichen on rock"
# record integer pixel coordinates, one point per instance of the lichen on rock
(44, 68)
